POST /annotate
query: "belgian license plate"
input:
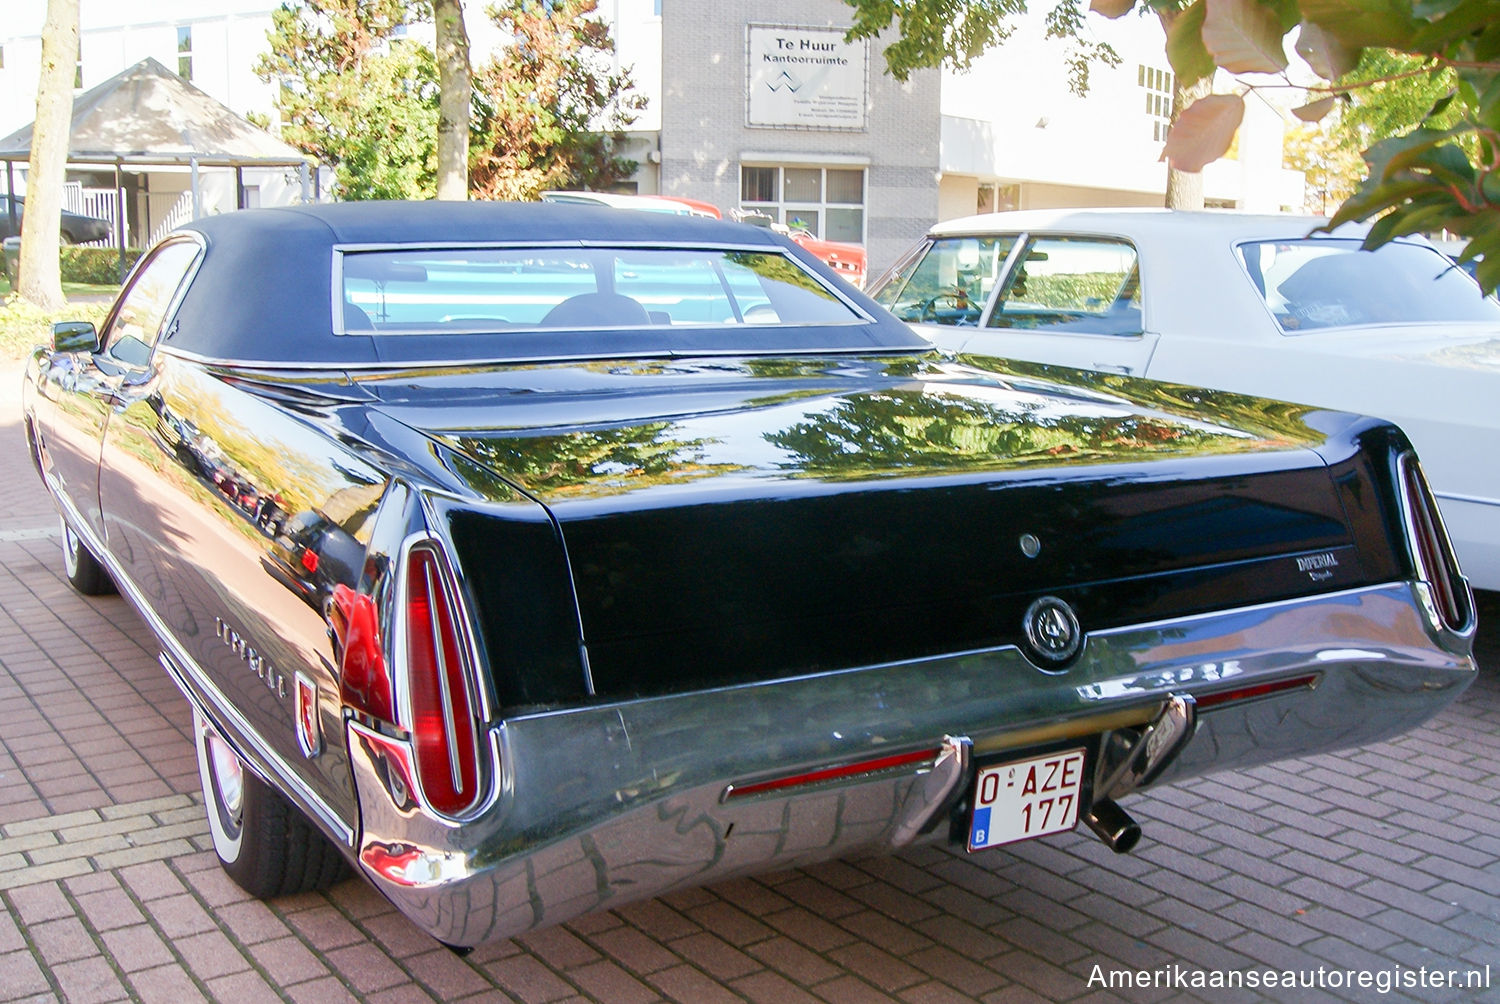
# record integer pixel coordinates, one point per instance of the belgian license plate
(1025, 799)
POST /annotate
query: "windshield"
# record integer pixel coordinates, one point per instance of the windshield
(1325, 283)
(429, 291)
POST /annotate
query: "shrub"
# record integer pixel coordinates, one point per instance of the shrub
(23, 325)
(99, 266)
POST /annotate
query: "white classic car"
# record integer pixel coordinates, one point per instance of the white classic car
(1258, 304)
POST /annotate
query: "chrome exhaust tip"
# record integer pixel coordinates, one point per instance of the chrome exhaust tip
(1113, 825)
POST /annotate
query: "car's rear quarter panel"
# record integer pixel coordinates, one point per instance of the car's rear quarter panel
(200, 482)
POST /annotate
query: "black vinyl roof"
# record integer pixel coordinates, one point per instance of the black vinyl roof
(263, 293)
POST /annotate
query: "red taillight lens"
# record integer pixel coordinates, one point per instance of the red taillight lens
(364, 682)
(442, 716)
(1435, 560)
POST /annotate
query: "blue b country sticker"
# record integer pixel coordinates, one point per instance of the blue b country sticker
(980, 831)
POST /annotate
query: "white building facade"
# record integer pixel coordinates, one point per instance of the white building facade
(761, 104)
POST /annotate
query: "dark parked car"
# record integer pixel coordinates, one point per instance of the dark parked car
(75, 229)
(632, 552)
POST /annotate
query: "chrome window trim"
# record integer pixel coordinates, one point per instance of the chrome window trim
(168, 326)
(336, 288)
(1003, 279)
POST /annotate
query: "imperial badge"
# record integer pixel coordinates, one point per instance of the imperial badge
(1053, 635)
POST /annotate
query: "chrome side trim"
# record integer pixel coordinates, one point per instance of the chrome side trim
(264, 365)
(1456, 497)
(187, 674)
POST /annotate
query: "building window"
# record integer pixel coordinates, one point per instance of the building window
(1157, 85)
(827, 202)
(78, 68)
(185, 52)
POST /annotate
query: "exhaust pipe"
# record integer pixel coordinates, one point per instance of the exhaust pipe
(1113, 825)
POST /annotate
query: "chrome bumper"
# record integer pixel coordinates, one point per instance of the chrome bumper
(598, 806)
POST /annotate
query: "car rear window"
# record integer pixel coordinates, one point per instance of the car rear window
(1330, 283)
(426, 291)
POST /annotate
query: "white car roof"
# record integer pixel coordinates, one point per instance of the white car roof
(617, 201)
(1144, 222)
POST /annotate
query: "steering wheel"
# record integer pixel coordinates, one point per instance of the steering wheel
(959, 300)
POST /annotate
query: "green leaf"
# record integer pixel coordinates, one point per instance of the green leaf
(1203, 131)
(1429, 10)
(1328, 57)
(1459, 22)
(1486, 105)
(1436, 155)
(1190, 59)
(1360, 23)
(1244, 36)
(1376, 197)
(1487, 43)
(1409, 220)
(1488, 272)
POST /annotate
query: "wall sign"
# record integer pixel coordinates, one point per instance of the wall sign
(805, 78)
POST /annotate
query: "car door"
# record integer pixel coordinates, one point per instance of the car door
(84, 385)
(233, 522)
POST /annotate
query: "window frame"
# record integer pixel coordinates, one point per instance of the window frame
(857, 314)
(780, 208)
(109, 339)
(185, 51)
(1020, 252)
(1345, 245)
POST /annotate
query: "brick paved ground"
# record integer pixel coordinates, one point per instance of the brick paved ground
(1369, 860)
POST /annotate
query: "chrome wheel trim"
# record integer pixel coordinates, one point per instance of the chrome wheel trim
(222, 776)
(229, 777)
(70, 546)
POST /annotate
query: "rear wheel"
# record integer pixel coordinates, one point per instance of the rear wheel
(83, 570)
(263, 843)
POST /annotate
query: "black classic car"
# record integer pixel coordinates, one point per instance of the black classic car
(532, 559)
(74, 229)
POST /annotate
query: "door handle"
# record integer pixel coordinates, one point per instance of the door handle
(1112, 368)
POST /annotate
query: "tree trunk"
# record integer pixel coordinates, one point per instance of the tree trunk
(41, 278)
(1184, 189)
(453, 100)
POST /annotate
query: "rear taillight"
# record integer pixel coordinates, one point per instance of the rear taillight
(444, 733)
(1433, 554)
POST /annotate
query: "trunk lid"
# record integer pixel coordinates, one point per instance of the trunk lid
(734, 521)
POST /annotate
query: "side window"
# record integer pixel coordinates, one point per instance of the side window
(950, 283)
(1077, 285)
(137, 323)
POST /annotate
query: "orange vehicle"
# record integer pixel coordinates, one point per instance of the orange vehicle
(848, 260)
